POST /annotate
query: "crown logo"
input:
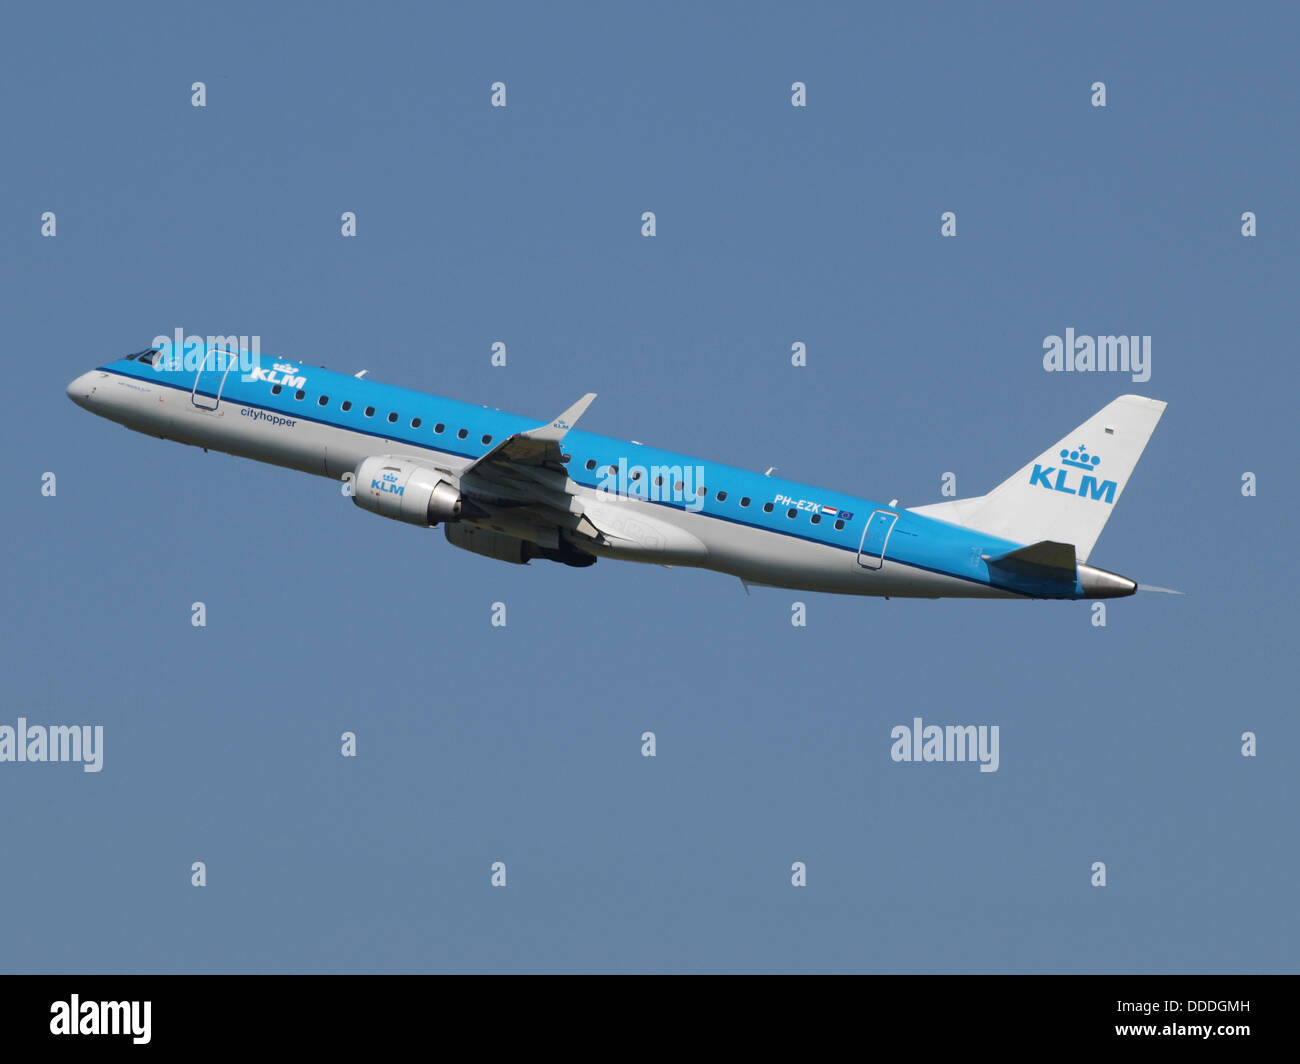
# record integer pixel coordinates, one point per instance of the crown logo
(1080, 458)
(284, 367)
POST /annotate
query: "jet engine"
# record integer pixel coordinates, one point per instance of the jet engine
(406, 491)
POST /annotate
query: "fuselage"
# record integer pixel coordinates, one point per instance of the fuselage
(659, 506)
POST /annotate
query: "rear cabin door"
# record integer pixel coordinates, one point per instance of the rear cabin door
(875, 537)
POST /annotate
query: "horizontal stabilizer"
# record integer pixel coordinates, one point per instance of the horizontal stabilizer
(1046, 560)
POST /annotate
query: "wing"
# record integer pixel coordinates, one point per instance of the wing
(523, 485)
(521, 488)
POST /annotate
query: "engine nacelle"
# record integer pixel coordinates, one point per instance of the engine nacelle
(405, 491)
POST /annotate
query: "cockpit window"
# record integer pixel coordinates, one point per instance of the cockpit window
(149, 356)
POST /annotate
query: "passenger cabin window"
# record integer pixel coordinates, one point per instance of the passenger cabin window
(591, 463)
(347, 405)
(415, 422)
(486, 439)
(744, 500)
(767, 507)
(817, 519)
(392, 417)
(324, 400)
(462, 433)
(839, 525)
(275, 389)
(369, 411)
(791, 512)
(722, 496)
(300, 394)
(438, 428)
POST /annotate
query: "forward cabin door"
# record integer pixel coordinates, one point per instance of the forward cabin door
(211, 378)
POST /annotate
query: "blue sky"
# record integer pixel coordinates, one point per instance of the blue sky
(775, 225)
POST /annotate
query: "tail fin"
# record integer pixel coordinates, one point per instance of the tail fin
(1067, 493)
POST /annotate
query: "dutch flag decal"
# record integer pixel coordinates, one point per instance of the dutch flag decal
(830, 511)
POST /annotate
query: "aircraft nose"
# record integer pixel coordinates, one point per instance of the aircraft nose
(81, 389)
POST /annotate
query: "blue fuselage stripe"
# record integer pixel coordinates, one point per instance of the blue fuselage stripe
(917, 542)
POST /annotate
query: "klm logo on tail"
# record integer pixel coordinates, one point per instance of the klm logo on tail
(1088, 485)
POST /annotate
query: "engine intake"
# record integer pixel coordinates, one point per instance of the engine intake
(405, 491)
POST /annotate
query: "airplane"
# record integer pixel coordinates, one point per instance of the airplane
(511, 488)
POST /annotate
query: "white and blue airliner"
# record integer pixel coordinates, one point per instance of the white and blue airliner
(514, 489)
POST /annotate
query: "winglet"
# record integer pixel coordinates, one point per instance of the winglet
(556, 429)
(537, 446)
(1045, 559)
